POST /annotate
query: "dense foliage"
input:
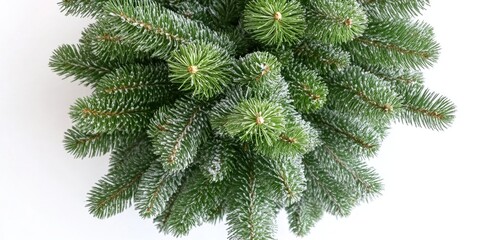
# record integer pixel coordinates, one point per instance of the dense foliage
(236, 109)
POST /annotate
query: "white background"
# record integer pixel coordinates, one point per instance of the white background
(431, 178)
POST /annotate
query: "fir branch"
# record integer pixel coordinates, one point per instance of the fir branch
(303, 214)
(217, 158)
(114, 196)
(154, 190)
(224, 107)
(275, 93)
(184, 215)
(77, 62)
(258, 68)
(298, 138)
(398, 78)
(82, 8)
(114, 192)
(93, 115)
(285, 176)
(360, 179)
(424, 108)
(108, 45)
(357, 140)
(362, 93)
(335, 21)
(307, 89)
(177, 132)
(346, 133)
(321, 58)
(250, 211)
(140, 83)
(334, 197)
(129, 150)
(219, 107)
(394, 9)
(149, 27)
(162, 219)
(82, 144)
(395, 43)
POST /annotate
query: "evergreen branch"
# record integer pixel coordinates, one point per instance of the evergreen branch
(276, 91)
(424, 108)
(346, 133)
(393, 47)
(362, 93)
(110, 46)
(162, 219)
(359, 178)
(398, 43)
(334, 197)
(224, 107)
(285, 177)
(258, 68)
(176, 146)
(93, 115)
(177, 132)
(114, 192)
(250, 211)
(217, 158)
(398, 78)
(321, 58)
(82, 144)
(226, 12)
(354, 138)
(196, 11)
(303, 214)
(385, 9)
(335, 21)
(308, 91)
(154, 190)
(329, 151)
(298, 138)
(184, 215)
(158, 29)
(82, 8)
(139, 83)
(75, 61)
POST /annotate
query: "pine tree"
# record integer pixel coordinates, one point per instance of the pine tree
(236, 109)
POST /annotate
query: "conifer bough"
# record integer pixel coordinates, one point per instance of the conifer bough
(235, 109)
